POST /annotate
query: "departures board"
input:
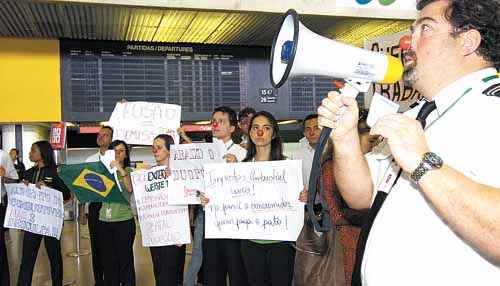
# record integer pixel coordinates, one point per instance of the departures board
(97, 74)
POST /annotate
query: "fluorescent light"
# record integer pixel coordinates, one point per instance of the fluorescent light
(284, 122)
(202, 122)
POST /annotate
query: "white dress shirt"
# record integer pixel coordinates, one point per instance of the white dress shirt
(306, 154)
(93, 158)
(10, 171)
(409, 244)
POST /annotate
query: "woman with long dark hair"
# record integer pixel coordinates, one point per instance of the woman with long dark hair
(117, 225)
(44, 173)
(168, 261)
(268, 262)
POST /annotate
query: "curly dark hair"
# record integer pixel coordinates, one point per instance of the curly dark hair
(480, 15)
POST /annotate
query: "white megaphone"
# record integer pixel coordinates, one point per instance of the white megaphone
(297, 51)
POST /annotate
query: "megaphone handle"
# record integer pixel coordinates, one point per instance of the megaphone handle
(315, 176)
(349, 91)
(346, 89)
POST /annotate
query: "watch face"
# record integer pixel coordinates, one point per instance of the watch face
(433, 159)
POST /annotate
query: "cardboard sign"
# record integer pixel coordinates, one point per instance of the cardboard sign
(258, 200)
(35, 210)
(140, 122)
(397, 92)
(186, 163)
(161, 224)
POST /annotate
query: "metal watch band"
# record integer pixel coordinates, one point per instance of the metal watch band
(430, 161)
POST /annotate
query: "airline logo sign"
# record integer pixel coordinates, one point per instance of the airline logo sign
(382, 4)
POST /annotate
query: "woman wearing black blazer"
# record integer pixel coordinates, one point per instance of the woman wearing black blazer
(44, 173)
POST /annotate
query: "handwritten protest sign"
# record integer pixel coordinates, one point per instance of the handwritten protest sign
(161, 224)
(140, 122)
(35, 210)
(257, 200)
(398, 92)
(186, 163)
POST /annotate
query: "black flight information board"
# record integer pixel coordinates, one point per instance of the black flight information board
(97, 74)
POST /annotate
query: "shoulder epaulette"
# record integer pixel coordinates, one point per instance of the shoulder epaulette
(494, 89)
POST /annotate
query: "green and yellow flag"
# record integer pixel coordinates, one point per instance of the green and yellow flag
(91, 182)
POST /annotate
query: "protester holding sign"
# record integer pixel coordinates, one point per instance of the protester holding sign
(44, 173)
(267, 262)
(166, 259)
(117, 225)
(221, 257)
(7, 175)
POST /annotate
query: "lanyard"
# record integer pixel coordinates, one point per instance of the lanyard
(230, 146)
(36, 175)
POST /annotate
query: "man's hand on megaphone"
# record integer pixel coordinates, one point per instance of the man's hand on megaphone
(339, 113)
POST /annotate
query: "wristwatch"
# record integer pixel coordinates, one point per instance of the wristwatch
(430, 161)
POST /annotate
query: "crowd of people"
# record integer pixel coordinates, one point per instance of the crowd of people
(412, 201)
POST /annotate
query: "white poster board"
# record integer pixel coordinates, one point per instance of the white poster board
(161, 224)
(140, 122)
(35, 210)
(397, 92)
(258, 200)
(186, 163)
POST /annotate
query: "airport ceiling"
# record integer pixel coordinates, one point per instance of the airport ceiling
(50, 20)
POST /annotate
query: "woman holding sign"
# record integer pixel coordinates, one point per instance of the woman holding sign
(268, 262)
(117, 225)
(168, 261)
(44, 173)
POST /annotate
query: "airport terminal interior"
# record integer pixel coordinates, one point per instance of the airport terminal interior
(72, 61)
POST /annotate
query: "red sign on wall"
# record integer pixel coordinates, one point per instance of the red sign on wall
(57, 135)
(197, 128)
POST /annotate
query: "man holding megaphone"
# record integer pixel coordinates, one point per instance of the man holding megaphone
(440, 222)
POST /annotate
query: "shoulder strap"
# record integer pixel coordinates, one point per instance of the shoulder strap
(315, 175)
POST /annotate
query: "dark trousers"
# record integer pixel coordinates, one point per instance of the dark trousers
(181, 259)
(4, 263)
(117, 252)
(222, 257)
(93, 223)
(31, 245)
(168, 264)
(268, 264)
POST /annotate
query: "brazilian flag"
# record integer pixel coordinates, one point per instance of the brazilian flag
(91, 182)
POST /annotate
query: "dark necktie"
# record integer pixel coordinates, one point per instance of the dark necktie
(426, 109)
